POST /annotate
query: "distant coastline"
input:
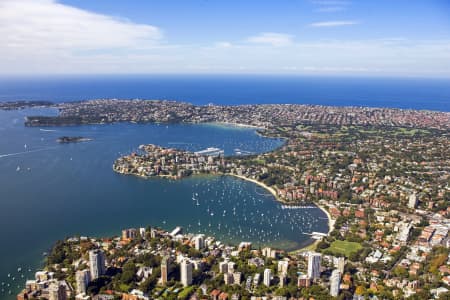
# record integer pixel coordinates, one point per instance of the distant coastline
(14, 105)
(260, 116)
(232, 89)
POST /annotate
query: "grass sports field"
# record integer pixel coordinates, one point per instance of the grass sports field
(344, 247)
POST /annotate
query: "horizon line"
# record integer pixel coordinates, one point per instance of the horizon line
(259, 74)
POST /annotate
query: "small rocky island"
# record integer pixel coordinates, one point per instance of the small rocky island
(72, 139)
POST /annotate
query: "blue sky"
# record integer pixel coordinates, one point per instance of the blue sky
(317, 37)
(206, 20)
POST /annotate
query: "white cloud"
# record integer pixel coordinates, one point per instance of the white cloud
(396, 57)
(46, 26)
(271, 38)
(330, 9)
(333, 23)
(330, 6)
(223, 45)
(44, 36)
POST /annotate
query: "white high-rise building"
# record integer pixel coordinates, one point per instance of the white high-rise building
(57, 291)
(96, 263)
(142, 232)
(186, 273)
(82, 278)
(314, 261)
(199, 241)
(228, 278)
(339, 263)
(267, 277)
(164, 270)
(268, 252)
(282, 280)
(231, 266)
(237, 277)
(223, 267)
(335, 281)
(283, 267)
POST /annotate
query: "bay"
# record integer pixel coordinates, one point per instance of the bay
(49, 191)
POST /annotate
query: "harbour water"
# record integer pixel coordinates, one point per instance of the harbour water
(49, 191)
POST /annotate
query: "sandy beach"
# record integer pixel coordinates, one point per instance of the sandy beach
(331, 221)
(237, 125)
(271, 190)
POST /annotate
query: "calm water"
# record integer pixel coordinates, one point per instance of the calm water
(433, 94)
(63, 190)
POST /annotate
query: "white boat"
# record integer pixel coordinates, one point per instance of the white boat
(210, 151)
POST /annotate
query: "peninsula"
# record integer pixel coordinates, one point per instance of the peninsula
(259, 115)
(23, 104)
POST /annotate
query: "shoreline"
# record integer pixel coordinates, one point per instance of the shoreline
(235, 125)
(312, 246)
(331, 221)
(308, 247)
(270, 189)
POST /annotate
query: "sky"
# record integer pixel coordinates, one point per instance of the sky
(401, 38)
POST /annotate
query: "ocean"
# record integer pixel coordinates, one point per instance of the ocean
(410, 93)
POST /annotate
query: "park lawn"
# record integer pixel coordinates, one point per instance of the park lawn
(344, 247)
(409, 131)
(186, 292)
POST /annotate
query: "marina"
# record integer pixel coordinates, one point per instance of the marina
(211, 151)
(238, 151)
(298, 206)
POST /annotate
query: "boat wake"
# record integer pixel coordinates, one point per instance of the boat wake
(26, 152)
(47, 130)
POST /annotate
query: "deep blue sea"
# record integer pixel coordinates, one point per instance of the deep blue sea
(432, 94)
